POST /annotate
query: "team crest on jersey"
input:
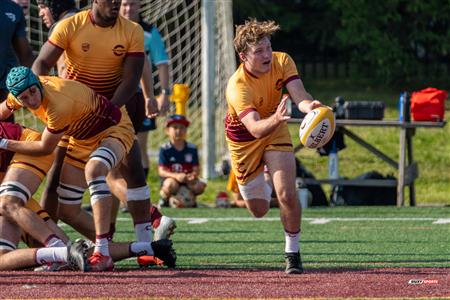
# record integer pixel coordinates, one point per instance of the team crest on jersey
(119, 50)
(279, 84)
(188, 157)
(85, 47)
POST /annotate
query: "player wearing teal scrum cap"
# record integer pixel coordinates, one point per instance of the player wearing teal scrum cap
(21, 78)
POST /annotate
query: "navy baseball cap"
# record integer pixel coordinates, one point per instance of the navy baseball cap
(177, 119)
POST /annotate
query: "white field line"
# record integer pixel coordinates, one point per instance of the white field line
(316, 221)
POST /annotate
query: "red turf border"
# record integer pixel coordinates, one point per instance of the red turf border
(329, 283)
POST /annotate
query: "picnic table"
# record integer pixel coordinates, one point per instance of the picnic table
(407, 168)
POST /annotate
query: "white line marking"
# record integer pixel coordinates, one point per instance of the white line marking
(442, 221)
(316, 221)
(198, 221)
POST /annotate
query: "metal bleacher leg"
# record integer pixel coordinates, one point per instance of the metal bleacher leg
(412, 190)
(401, 169)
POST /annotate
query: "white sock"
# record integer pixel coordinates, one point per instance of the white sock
(54, 241)
(50, 255)
(292, 242)
(101, 245)
(141, 248)
(143, 232)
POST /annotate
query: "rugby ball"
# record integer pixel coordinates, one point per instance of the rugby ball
(184, 198)
(317, 127)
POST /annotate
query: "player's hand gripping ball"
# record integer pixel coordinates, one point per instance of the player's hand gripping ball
(317, 127)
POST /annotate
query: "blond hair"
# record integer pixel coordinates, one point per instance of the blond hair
(252, 32)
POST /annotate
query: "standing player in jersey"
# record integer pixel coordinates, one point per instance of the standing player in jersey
(100, 136)
(106, 52)
(257, 132)
(157, 54)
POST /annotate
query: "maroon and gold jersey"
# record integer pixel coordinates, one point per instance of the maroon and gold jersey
(94, 55)
(246, 93)
(39, 165)
(73, 108)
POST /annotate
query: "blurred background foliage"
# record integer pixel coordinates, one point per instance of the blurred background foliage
(394, 42)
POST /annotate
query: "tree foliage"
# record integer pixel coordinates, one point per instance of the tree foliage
(391, 40)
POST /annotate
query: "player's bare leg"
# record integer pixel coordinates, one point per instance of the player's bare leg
(17, 187)
(281, 167)
(138, 194)
(71, 190)
(282, 170)
(12, 258)
(143, 140)
(49, 197)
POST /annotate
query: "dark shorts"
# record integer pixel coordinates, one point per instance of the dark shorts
(136, 110)
(148, 125)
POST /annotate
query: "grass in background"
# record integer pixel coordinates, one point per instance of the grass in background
(431, 146)
(230, 238)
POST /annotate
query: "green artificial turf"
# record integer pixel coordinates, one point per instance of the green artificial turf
(353, 237)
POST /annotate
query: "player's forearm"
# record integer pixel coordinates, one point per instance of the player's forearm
(163, 75)
(263, 127)
(147, 81)
(124, 92)
(33, 148)
(132, 72)
(40, 67)
(4, 111)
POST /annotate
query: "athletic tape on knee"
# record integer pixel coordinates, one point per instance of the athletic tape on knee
(137, 194)
(16, 189)
(70, 194)
(7, 245)
(106, 156)
(256, 189)
(98, 189)
(268, 191)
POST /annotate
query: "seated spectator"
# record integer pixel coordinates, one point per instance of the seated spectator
(179, 166)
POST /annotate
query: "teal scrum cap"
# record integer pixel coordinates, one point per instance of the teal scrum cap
(21, 78)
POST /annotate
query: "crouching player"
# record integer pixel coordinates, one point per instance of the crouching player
(101, 134)
(20, 211)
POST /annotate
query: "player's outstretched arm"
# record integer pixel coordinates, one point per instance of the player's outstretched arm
(132, 71)
(304, 101)
(45, 146)
(47, 58)
(260, 128)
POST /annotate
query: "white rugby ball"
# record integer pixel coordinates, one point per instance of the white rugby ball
(317, 127)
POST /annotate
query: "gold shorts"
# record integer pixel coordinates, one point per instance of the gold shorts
(26, 238)
(36, 207)
(247, 158)
(39, 165)
(232, 185)
(78, 151)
